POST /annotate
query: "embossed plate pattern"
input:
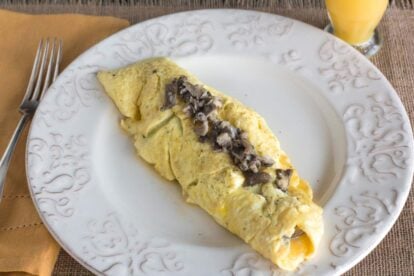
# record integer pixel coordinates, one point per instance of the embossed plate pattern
(334, 112)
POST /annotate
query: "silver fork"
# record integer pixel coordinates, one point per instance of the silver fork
(45, 68)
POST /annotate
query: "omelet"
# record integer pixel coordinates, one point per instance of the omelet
(281, 222)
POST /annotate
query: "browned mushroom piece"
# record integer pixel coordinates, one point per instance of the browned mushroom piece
(298, 232)
(216, 103)
(266, 161)
(256, 178)
(170, 95)
(224, 140)
(201, 128)
(243, 166)
(200, 116)
(255, 165)
(283, 178)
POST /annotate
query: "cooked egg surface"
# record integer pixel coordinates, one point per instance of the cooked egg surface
(263, 216)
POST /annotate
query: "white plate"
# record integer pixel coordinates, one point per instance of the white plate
(335, 114)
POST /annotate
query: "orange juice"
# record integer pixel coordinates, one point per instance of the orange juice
(355, 20)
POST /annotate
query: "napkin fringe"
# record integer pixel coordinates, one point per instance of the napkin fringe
(401, 4)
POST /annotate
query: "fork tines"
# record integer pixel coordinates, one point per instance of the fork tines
(45, 68)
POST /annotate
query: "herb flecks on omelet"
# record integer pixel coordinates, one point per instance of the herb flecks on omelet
(277, 218)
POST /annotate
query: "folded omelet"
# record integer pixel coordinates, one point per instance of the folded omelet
(284, 225)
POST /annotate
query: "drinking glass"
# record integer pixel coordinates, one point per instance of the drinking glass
(355, 22)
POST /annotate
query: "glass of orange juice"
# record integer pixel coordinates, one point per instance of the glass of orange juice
(355, 22)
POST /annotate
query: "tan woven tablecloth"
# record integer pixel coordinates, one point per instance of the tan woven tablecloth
(395, 254)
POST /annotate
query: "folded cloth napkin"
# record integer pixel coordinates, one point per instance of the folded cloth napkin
(25, 244)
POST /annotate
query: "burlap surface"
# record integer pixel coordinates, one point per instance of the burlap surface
(395, 254)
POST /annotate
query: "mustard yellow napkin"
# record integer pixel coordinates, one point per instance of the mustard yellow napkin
(25, 244)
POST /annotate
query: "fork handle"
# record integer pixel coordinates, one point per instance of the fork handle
(6, 158)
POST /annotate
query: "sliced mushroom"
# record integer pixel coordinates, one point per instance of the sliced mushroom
(248, 148)
(201, 103)
(255, 165)
(236, 151)
(170, 96)
(298, 232)
(244, 135)
(201, 128)
(283, 178)
(181, 84)
(231, 130)
(243, 165)
(186, 96)
(188, 110)
(214, 131)
(200, 116)
(208, 109)
(224, 125)
(256, 178)
(224, 140)
(217, 103)
(194, 103)
(266, 160)
(206, 95)
(197, 91)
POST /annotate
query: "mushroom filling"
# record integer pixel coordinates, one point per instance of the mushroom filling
(297, 233)
(283, 178)
(202, 107)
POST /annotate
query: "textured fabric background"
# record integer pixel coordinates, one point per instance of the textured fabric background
(395, 254)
